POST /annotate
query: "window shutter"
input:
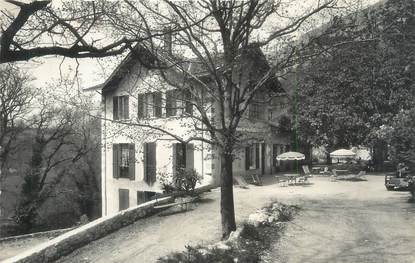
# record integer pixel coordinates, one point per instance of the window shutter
(157, 104)
(115, 108)
(190, 156)
(188, 102)
(145, 152)
(131, 163)
(152, 162)
(140, 106)
(115, 163)
(247, 157)
(126, 108)
(174, 156)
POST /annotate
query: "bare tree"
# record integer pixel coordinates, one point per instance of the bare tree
(57, 145)
(15, 96)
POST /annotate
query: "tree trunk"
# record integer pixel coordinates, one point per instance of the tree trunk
(227, 209)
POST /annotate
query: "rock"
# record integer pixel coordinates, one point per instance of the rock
(222, 246)
(257, 219)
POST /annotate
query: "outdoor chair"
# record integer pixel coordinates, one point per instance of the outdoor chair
(306, 171)
(256, 179)
(282, 181)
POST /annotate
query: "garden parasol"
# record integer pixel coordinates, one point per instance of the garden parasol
(342, 153)
(289, 156)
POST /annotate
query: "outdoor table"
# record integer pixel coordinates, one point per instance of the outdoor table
(292, 177)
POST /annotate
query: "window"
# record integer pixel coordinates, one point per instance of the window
(149, 105)
(150, 163)
(123, 199)
(124, 161)
(252, 157)
(120, 107)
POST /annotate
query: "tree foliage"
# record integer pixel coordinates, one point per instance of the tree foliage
(347, 94)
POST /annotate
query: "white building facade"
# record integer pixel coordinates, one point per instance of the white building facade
(141, 120)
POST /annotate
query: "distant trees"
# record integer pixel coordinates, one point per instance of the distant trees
(64, 148)
(48, 145)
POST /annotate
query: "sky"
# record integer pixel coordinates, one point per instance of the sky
(90, 71)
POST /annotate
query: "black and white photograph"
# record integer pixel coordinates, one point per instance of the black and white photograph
(207, 131)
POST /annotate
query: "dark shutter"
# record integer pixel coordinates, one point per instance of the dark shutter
(150, 163)
(157, 104)
(190, 156)
(187, 102)
(171, 103)
(126, 108)
(145, 105)
(174, 158)
(115, 108)
(140, 106)
(247, 157)
(131, 163)
(256, 155)
(115, 163)
(124, 199)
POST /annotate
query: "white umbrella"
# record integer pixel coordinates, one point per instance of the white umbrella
(342, 153)
(288, 156)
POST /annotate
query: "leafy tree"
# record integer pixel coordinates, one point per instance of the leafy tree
(401, 138)
(349, 92)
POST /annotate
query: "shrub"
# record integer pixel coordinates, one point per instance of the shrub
(184, 180)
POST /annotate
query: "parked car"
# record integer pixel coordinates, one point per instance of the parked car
(394, 182)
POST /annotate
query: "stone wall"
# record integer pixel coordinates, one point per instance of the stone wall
(76, 238)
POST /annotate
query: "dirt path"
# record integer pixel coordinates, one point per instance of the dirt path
(351, 226)
(340, 221)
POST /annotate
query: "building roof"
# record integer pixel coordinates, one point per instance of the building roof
(195, 66)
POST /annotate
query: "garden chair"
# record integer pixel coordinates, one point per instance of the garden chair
(256, 180)
(306, 171)
(281, 180)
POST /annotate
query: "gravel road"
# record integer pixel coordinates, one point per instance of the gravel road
(362, 223)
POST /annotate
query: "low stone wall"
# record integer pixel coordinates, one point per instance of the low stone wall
(76, 238)
(79, 237)
(48, 234)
